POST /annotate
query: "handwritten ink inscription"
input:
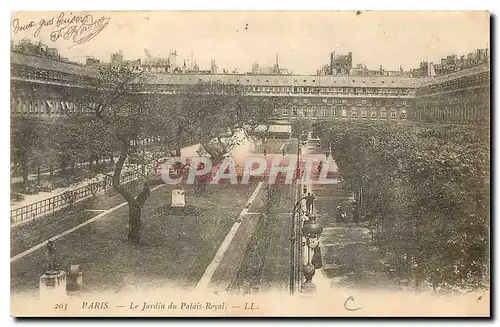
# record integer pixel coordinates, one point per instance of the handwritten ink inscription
(76, 28)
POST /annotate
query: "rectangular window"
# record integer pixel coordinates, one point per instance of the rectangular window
(363, 113)
(374, 114)
(294, 112)
(334, 112)
(393, 114)
(383, 114)
(285, 111)
(344, 113)
(305, 112)
(324, 112)
(354, 114)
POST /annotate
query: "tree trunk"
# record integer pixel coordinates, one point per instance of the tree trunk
(418, 278)
(25, 171)
(51, 171)
(38, 173)
(134, 221)
(72, 168)
(91, 164)
(62, 168)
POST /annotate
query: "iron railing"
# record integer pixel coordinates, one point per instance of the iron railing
(55, 203)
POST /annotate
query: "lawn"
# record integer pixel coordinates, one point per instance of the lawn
(350, 259)
(266, 260)
(175, 249)
(29, 234)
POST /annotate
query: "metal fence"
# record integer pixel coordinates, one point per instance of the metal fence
(43, 207)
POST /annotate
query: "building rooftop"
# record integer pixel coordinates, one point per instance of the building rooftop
(287, 129)
(290, 80)
(45, 63)
(482, 68)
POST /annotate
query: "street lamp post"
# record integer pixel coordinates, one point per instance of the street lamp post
(294, 235)
(311, 231)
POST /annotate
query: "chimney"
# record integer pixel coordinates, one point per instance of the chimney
(332, 60)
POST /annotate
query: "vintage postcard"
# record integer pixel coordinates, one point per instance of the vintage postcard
(250, 164)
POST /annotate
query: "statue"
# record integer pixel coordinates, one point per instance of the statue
(51, 253)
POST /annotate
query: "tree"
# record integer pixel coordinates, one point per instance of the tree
(125, 108)
(426, 191)
(121, 115)
(218, 116)
(300, 126)
(29, 142)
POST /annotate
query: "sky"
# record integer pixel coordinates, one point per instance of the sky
(303, 39)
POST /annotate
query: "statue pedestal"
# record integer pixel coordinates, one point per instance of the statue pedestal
(53, 285)
(308, 288)
(178, 198)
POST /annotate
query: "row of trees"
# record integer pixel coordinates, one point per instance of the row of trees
(124, 109)
(57, 143)
(425, 190)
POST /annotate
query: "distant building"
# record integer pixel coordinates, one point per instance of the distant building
(340, 64)
(92, 61)
(453, 63)
(213, 67)
(275, 70)
(117, 57)
(324, 70)
(36, 48)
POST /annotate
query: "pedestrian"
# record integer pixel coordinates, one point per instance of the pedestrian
(320, 167)
(327, 154)
(340, 215)
(309, 203)
(265, 152)
(316, 259)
